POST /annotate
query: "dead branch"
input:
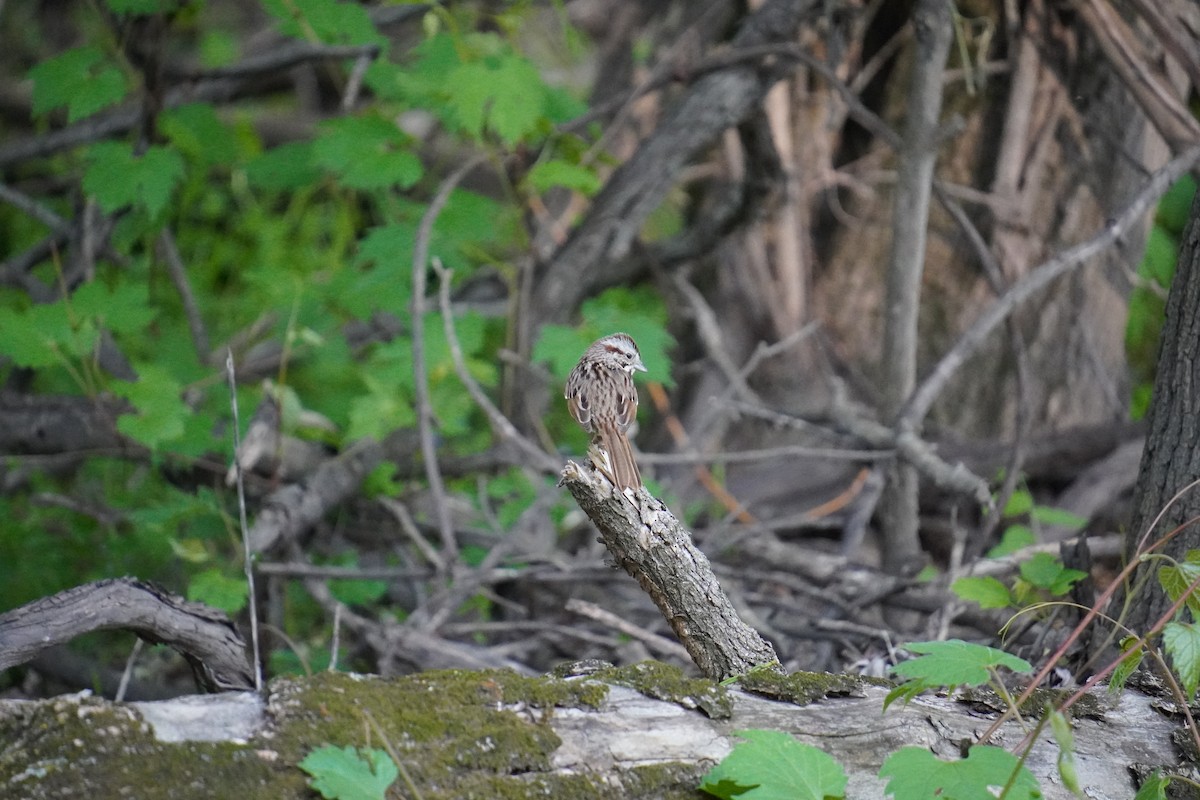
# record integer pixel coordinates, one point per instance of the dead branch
(202, 635)
(297, 507)
(657, 551)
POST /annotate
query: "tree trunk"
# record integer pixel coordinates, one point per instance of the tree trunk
(1171, 460)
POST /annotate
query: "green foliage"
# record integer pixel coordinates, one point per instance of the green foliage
(950, 663)
(1153, 788)
(1147, 303)
(1044, 571)
(1181, 638)
(1182, 643)
(986, 591)
(117, 177)
(1041, 575)
(367, 152)
(1177, 579)
(327, 21)
(770, 765)
(916, 774)
(477, 85)
(1014, 538)
(547, 174)
(1060, 726)
(349, 774)
(1129, 664)
(82, 79)
(213, 587)
(356, 592)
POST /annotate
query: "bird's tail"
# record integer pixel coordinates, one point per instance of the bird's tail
(623, 470)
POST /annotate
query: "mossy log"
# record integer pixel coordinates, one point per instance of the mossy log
(641, 731)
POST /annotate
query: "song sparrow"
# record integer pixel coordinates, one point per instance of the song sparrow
(602, 398)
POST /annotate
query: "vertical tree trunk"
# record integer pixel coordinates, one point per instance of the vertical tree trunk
(898, 510)
(1171, 459)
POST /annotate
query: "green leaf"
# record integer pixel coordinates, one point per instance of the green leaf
(117, 178)
(122, 309)
(330, 21)
(1120, 675)
(771, 765)
(1182, 643)
(142, 7)
(1021, 502)
(159, 409)
(503, 94)
(367, 152)
(385, 406)
(197, 132)
(1065, 737)
(44, 335)
(956, 662)
(986, 591)
(916, 774)
(1158, 262)
(356, 592)
(1047, 572)
(1058, 517)
(1015, 537)
(344, 774)
(81, 79)
(1175, 207)
(288, 166)
(547, 174)
(214, 588)
(1154, 787)
(1175, 580)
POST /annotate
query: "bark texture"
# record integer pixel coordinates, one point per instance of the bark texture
(651, 545)
(1171, 459)
(203, 635)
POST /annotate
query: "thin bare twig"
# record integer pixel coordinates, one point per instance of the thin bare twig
(191, 310)
(27, 205)
(421, 376)
(247, 556)
(766, 454)
(652, 640)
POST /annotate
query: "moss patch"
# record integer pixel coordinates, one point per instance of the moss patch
(77, 746)
(664, 682)
(453, 730)
(806, 687)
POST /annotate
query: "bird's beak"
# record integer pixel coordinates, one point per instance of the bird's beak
(639, 367)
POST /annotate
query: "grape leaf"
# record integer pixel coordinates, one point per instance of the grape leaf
(212, 587)
(1154, 787)
(344, 774)
(1182, 642)
(771, 765)
(916, 774)
(81, 79)
(1015, 537)
(956, 662)
(367, 152)
(986, 591)
(547, 174)
(117, 178)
